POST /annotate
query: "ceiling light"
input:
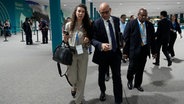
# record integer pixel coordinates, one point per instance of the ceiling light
(178, 2)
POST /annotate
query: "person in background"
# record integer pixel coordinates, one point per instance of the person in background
(68, 19)
(26, 26)
(163, 38)
(139, 40)
(132, 17)
(106, 40)
(77, 34)
(122, 23)
(90, 46)
(173, 35)
(122, 28)
(6, 29)
(44, 29)
(1, 28)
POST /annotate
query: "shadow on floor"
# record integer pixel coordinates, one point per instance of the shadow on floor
(150, 99)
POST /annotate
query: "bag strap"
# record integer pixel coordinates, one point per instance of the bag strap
(60, 73)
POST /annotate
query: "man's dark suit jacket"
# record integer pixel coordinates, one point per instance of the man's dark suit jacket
(133, 39)
(27, 28)
(163, 30)
(100, 36)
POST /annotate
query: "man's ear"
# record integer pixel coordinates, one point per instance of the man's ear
(110, 10)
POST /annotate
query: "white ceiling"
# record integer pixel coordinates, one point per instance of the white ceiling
(127, 7)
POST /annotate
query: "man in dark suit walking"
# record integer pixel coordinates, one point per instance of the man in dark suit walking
(139, 40)
(27, 29)
(163, 37)
(107, 51)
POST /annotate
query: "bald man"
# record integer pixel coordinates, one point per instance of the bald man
(139, 39)
(106, 39)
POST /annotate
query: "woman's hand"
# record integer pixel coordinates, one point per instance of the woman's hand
(86, 40)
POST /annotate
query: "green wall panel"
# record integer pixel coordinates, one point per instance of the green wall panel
(15, 11)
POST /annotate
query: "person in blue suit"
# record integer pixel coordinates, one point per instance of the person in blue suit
(139, 41)
(106, 40)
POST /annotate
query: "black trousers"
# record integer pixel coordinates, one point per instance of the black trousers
(44, 36)
(136, 67)
(113, 60)
(173, 37)
(29, 38)
(164, 46)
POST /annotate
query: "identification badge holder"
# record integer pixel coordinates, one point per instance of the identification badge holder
(79, 49)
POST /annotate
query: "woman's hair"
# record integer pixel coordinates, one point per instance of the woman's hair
(85, 22)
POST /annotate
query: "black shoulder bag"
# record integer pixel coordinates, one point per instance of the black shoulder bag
(63, 54)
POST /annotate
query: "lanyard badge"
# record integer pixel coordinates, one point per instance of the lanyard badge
(79, 48)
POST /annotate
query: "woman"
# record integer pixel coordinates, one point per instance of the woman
(173, 35)
(77, 34)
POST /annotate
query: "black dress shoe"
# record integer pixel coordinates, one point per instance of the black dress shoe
(169, 63)
(73, 93)
(140, 89)
(102, 97)
(155, 63)
(130, 85)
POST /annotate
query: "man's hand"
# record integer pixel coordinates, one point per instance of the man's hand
(105, 47)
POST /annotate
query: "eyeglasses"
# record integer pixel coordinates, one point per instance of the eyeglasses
(105, 12)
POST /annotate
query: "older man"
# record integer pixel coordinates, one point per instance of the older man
(139, 39)
(107, 50)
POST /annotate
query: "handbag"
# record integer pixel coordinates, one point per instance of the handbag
(63, 54)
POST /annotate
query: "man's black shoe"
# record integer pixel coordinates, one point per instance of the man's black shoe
(73, 93)
(169, 63)
(140, 89)
(129, 85)
(102, 97)
(155, 63)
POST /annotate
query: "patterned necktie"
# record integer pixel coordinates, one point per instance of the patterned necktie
(143, 35)
(114, 45)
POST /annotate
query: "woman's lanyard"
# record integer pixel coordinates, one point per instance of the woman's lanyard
(79, 48)
(77, 38)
